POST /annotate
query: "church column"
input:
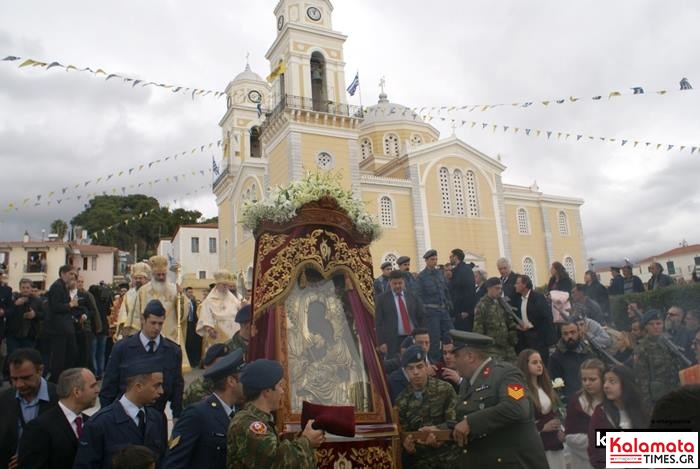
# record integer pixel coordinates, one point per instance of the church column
(296, 171)
(499, 205)
(547, 235)
(420, 218)
(354, 162)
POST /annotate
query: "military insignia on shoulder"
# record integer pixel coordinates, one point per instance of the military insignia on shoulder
(258, 428)
(487, 371)
(173, 442)
(515, 391)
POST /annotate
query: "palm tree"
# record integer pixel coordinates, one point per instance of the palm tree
(59, 227)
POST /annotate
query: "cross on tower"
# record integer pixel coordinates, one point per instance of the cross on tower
(382, 83)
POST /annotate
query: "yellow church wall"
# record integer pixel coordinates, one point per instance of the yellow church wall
(434, 198)
(244, 254)
(567, 245)
(527, 245)
(377, 138)
(312, 145)
(279, 164)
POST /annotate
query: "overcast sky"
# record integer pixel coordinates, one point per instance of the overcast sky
(58, 129)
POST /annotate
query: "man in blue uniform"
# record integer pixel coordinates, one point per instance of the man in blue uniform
(199, 437)
(149, 343)
(128, 421)
(431, 289)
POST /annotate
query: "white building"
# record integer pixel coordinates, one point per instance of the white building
(678, 262)
(196, 249)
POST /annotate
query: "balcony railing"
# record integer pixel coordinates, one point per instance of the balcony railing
(307, 104)
(220, 177)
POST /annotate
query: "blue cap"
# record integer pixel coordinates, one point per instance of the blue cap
(141, 366)
(154, 308)
(243, 315)
(227, 366)
(430, 253)
(413, 354)
(407, 342)
(262, 374)
(214, 352)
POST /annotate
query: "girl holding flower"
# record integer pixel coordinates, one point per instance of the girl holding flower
(580, 409)
(546, 401)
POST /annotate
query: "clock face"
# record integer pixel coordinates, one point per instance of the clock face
(255, 97)
(280, 22)
(314, 13)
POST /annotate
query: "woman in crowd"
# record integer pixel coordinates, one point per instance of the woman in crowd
(580, 409)
(545, 400)
(560, 279)
(621, 408)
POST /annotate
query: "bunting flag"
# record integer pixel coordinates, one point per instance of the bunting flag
(26, 202)
(99, 73)
(684, 85)
(136, 169)
(562, 135)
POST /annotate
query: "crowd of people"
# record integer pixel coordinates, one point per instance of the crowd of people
(455, 345)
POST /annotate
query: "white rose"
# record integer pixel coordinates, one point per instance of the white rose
(558, 383)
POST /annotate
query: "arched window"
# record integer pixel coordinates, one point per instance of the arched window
(416, 140)
(563, 223)
(529, 269)
(472, 196)
(255, 147)
(391, 258)
(458, 185)
(366, 148)
(569, 266)
(318, 82)
(523, 222)
(445, 191)
(391, 145)
(386, 211)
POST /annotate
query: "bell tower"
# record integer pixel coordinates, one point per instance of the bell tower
(309, 125)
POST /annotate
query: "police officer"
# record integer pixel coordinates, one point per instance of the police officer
(127, 421)
(242, 336)
(426, 404)
(493, 317)
(431, 289)
(200, 387)
(655, 366)
(381, 283)
(199, 436)
(495, 418)
(409, 281)
(252, 438)
(146, 344)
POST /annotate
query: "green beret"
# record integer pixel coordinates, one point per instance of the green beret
(413, 354)
(462, 339)
(652, 315)
(262, 374)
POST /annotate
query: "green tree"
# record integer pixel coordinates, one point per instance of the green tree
(107, 210)
(59, 227)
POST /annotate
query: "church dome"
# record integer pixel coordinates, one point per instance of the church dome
(247, 75)
(386, 111)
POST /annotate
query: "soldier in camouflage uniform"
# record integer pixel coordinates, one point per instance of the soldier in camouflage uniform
(492, 319)
(241, 338)
(200, 387)
(427, 403)
(252, 438)
(655, 366)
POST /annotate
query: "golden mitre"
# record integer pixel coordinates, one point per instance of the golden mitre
(224, 276)
(140, 269)
(158, 264)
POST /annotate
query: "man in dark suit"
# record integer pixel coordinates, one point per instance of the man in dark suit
(50, 441)
(508, 278)
(397, 313)
(59, 323)
(199, 436)
(146, 344)
(193, 341)
(462, 291)
(29, 397)
(128, 421)
(536, 328)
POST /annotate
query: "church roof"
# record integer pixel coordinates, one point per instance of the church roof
(248, 74)
(386, 111)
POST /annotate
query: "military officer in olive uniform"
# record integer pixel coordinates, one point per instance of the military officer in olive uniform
(492, 318)
(199, 436)
(495, 418)
(426, 404)
(200, 387)
(655, 366)
(242, 336)
(253, 441)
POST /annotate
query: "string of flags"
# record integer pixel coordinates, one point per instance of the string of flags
(565, 136)
(99, 72)
(124, 172)
(99, 233)
(684, 85)
(31, 202)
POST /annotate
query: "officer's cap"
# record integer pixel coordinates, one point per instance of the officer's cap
(262, 374)
(430, 253)
(141, 367)
(403, 260)
(154, 308)
(407, 342)
(243, 314)
(463, 339)
(385, 265)
(227, 366)
(652, 315)
(413, 354)
(492, 282)
(214, 352)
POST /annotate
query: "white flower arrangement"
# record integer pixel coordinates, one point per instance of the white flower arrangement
(558, 383)
(282, 203)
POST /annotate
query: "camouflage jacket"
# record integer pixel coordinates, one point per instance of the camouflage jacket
(238, 342)
(253, 443)
(196, 391)
(655, 369)
(433, 406)
(491, 319)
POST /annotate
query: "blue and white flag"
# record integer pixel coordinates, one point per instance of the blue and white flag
(354, 85)
(685, 84)
(214, 166)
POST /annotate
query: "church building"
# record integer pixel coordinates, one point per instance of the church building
(427, 192)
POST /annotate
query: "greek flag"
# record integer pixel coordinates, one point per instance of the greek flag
(214, 166)
(354, 85)
(685, 84)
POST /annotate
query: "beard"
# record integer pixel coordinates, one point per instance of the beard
(571, 344)
(160, 287)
